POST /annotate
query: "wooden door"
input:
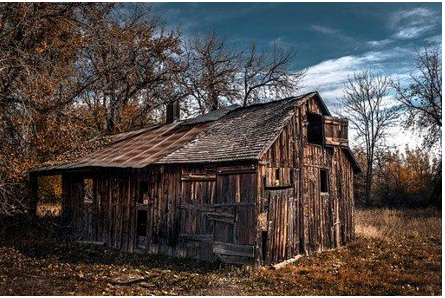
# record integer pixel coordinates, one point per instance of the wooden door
(196, 227)
(279, 229)
(233, 218)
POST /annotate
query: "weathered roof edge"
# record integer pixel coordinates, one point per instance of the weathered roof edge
(298, 99)
(301, 99)
(350, 155)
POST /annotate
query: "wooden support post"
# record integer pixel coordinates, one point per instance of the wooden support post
(33, 196)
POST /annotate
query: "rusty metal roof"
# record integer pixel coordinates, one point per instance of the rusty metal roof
(137, 149)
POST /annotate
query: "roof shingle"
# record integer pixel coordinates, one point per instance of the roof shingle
(240, 135)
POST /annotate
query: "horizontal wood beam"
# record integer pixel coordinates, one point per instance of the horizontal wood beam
(233, 249)
(233, 171)
(198, 177)
(231, 259)
(221, 217)
(273, 187)
(202, 237)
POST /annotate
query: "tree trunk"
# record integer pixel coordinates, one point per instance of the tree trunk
(368, 185)
(214, 102)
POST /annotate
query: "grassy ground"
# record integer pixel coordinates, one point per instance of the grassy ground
(395, 253)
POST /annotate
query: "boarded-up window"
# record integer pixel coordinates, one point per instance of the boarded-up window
(278, 177)
(88, 191)
(324, 187)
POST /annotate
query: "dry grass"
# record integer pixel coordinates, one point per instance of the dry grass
(391, 224)
(397, 252)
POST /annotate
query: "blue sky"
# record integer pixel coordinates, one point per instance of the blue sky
(332, 40)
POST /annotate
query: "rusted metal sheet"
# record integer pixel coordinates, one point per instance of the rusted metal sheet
(137, 149)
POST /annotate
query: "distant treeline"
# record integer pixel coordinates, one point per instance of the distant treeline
(402, 179)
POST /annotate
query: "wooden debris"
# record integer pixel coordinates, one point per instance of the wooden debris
(287, 262)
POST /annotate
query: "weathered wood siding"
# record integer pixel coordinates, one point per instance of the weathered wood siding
(296, 217)
(261, 213)
(201, 212)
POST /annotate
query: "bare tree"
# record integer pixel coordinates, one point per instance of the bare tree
(422, 98)
(265, 73)
(212, 68)
(218, 72)
(366, 104)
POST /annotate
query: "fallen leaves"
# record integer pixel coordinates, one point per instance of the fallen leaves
(35, 261)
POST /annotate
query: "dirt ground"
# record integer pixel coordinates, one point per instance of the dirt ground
(396, 252)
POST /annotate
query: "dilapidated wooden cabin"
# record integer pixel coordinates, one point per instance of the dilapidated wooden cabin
(258, 184)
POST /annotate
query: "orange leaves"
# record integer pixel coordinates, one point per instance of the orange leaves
(405, 178)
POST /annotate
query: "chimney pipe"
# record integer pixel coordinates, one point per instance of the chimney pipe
(172, 111)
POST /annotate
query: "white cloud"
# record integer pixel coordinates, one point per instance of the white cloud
(324, 30)
(413, 23)
(328, 78)
(413, 31)
(332, 32)
(379, 43)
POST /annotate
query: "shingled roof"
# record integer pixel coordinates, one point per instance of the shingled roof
(230, 134)
(241, 135)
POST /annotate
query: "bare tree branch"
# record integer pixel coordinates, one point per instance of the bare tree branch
(365, 102)
(422, 98)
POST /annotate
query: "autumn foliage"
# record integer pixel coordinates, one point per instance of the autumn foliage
(410, 178)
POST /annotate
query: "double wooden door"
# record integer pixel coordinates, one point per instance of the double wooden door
(217, 215)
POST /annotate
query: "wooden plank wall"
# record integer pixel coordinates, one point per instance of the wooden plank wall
(108, 217)
(298, 218)
(189, 209)
(239, 212)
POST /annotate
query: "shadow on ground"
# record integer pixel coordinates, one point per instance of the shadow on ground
(397, 252)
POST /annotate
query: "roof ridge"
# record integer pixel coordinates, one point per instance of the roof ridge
(294, 97)
(137, 132)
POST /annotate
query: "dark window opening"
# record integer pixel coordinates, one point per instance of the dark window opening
(88, 191)
(277, 174)
(315, 128)
(324, 187)
(142, 223)
(143, 193)
(264, 245)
